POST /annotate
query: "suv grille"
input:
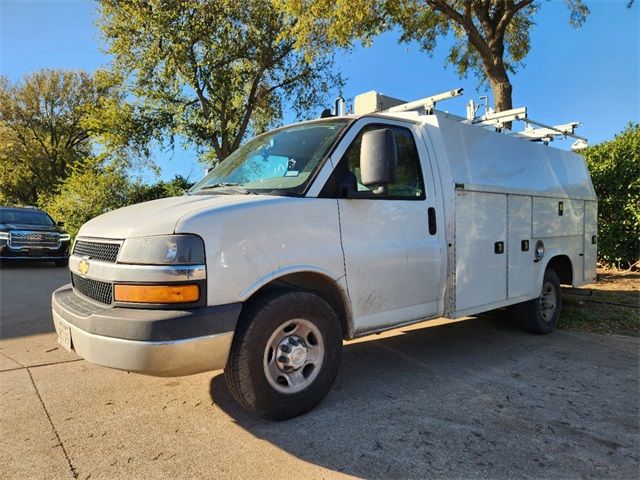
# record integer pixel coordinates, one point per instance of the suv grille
(98, 291)
(20, 239)
(106, 252)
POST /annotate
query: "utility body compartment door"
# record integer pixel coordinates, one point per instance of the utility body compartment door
(480, 249)
(520, 248)
(590, 240)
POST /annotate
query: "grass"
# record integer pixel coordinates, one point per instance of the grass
(613, 308)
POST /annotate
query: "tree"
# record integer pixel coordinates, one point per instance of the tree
(491, 36)
(211, 71)
(615, 172)
(140, 192)
(90, 190)
(52, 121)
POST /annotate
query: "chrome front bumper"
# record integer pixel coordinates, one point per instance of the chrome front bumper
(151, 342)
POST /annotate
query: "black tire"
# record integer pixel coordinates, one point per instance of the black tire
(62, 263)
(247, 374)
(541, 314)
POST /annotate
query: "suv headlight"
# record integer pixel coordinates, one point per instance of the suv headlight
(163, 250)
(4, 235)
(65, 237)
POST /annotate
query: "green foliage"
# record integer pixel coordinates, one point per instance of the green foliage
(615, 172)
(93, 189)
(491, 36)
(90, 190)
(140, 192)
(211, 71)
(53, 121)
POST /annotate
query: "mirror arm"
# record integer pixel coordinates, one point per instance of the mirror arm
(380, 189)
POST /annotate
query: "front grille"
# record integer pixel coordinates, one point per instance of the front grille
(25, 239)
(98, 291)
(106, 252)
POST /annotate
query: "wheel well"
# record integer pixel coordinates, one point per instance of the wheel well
(319, 284)
(562, 266)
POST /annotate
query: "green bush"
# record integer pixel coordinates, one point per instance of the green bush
(89, 191)
(615, 171)
(141, 192)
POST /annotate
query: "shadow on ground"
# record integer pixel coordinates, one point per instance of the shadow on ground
(472, 399)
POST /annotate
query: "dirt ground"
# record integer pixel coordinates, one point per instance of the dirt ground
(612, 308)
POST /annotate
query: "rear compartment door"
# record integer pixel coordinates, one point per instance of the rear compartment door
(480, 248)
(590, 240)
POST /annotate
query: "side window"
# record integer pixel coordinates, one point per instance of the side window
(409, 183)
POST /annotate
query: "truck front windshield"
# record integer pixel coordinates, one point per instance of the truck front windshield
(282, 161)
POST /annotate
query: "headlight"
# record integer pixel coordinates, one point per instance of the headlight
(4, 235)
(163, 250)
(65, 237)
(539, 252)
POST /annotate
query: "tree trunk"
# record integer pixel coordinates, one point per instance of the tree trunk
(502, 90)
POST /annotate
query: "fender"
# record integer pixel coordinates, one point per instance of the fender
(288, 270)
(548, 256)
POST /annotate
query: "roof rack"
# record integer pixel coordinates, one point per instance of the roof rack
(545, 133)
(374, 102)
(427, 103)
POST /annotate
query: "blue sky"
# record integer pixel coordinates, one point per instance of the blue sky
(590, 74)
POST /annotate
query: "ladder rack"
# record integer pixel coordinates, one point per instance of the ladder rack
(545, 133)
(374, 102)
(427, 103)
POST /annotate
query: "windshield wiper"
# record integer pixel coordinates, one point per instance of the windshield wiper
(228, 185)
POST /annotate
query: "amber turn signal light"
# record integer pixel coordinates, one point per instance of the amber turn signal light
(157, 293)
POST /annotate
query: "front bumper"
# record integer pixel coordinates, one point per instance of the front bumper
(164, 343)
(34, 253)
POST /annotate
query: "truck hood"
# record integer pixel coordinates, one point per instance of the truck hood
(157, 217)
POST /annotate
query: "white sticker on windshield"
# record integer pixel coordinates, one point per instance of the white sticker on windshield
(292, 173)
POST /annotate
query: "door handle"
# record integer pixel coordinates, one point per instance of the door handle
(433, 227)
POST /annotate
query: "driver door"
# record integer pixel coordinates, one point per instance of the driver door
(393, 256)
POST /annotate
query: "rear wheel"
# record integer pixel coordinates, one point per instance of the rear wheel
(285, 354)
(541, 314)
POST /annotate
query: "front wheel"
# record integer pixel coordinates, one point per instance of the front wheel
(285, 354)
(541, 314)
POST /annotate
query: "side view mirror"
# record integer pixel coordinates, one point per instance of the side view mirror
(378, 159)
(60, 224)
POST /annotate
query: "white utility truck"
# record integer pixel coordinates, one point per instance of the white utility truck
(328, 230)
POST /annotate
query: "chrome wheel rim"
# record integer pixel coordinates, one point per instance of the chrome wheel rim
(293, 356)
(548, 302)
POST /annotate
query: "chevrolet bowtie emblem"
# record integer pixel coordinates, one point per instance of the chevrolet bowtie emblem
(83, 267)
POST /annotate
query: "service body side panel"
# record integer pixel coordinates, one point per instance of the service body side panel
(479, 160)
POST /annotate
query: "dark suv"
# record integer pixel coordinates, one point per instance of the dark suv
(31, 234)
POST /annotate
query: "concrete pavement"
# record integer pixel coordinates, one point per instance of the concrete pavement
(475, 399)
